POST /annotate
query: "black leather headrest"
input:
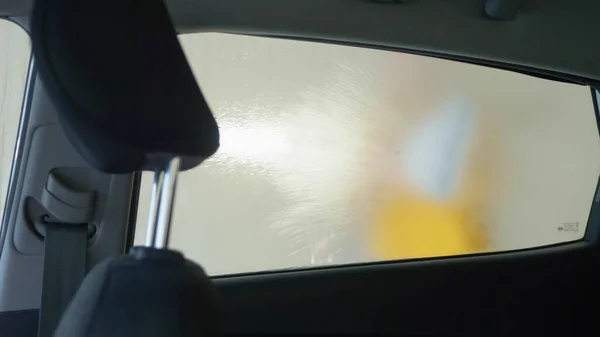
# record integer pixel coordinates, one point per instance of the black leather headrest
(121, 84)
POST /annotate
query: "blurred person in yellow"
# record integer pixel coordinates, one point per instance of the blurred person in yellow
(431, 204)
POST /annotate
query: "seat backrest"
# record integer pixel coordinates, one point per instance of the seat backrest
(150, 293)
(128, 101)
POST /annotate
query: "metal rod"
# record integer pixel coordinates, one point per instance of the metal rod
(153, 213)
(165, 204)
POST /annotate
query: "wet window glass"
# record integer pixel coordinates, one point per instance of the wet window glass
(14, 62)
(335, 154)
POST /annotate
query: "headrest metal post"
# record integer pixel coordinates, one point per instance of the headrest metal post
(161, 205)
(153, 212)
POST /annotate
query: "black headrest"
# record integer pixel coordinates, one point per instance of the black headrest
(121, 84)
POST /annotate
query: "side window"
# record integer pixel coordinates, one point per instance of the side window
(14, 61)
(334, 154)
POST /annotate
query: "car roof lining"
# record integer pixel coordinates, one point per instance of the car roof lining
(556, 37)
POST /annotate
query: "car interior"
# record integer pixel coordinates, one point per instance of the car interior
(222, 167)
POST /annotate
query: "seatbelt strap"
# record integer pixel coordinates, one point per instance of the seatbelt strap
(64, 270)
